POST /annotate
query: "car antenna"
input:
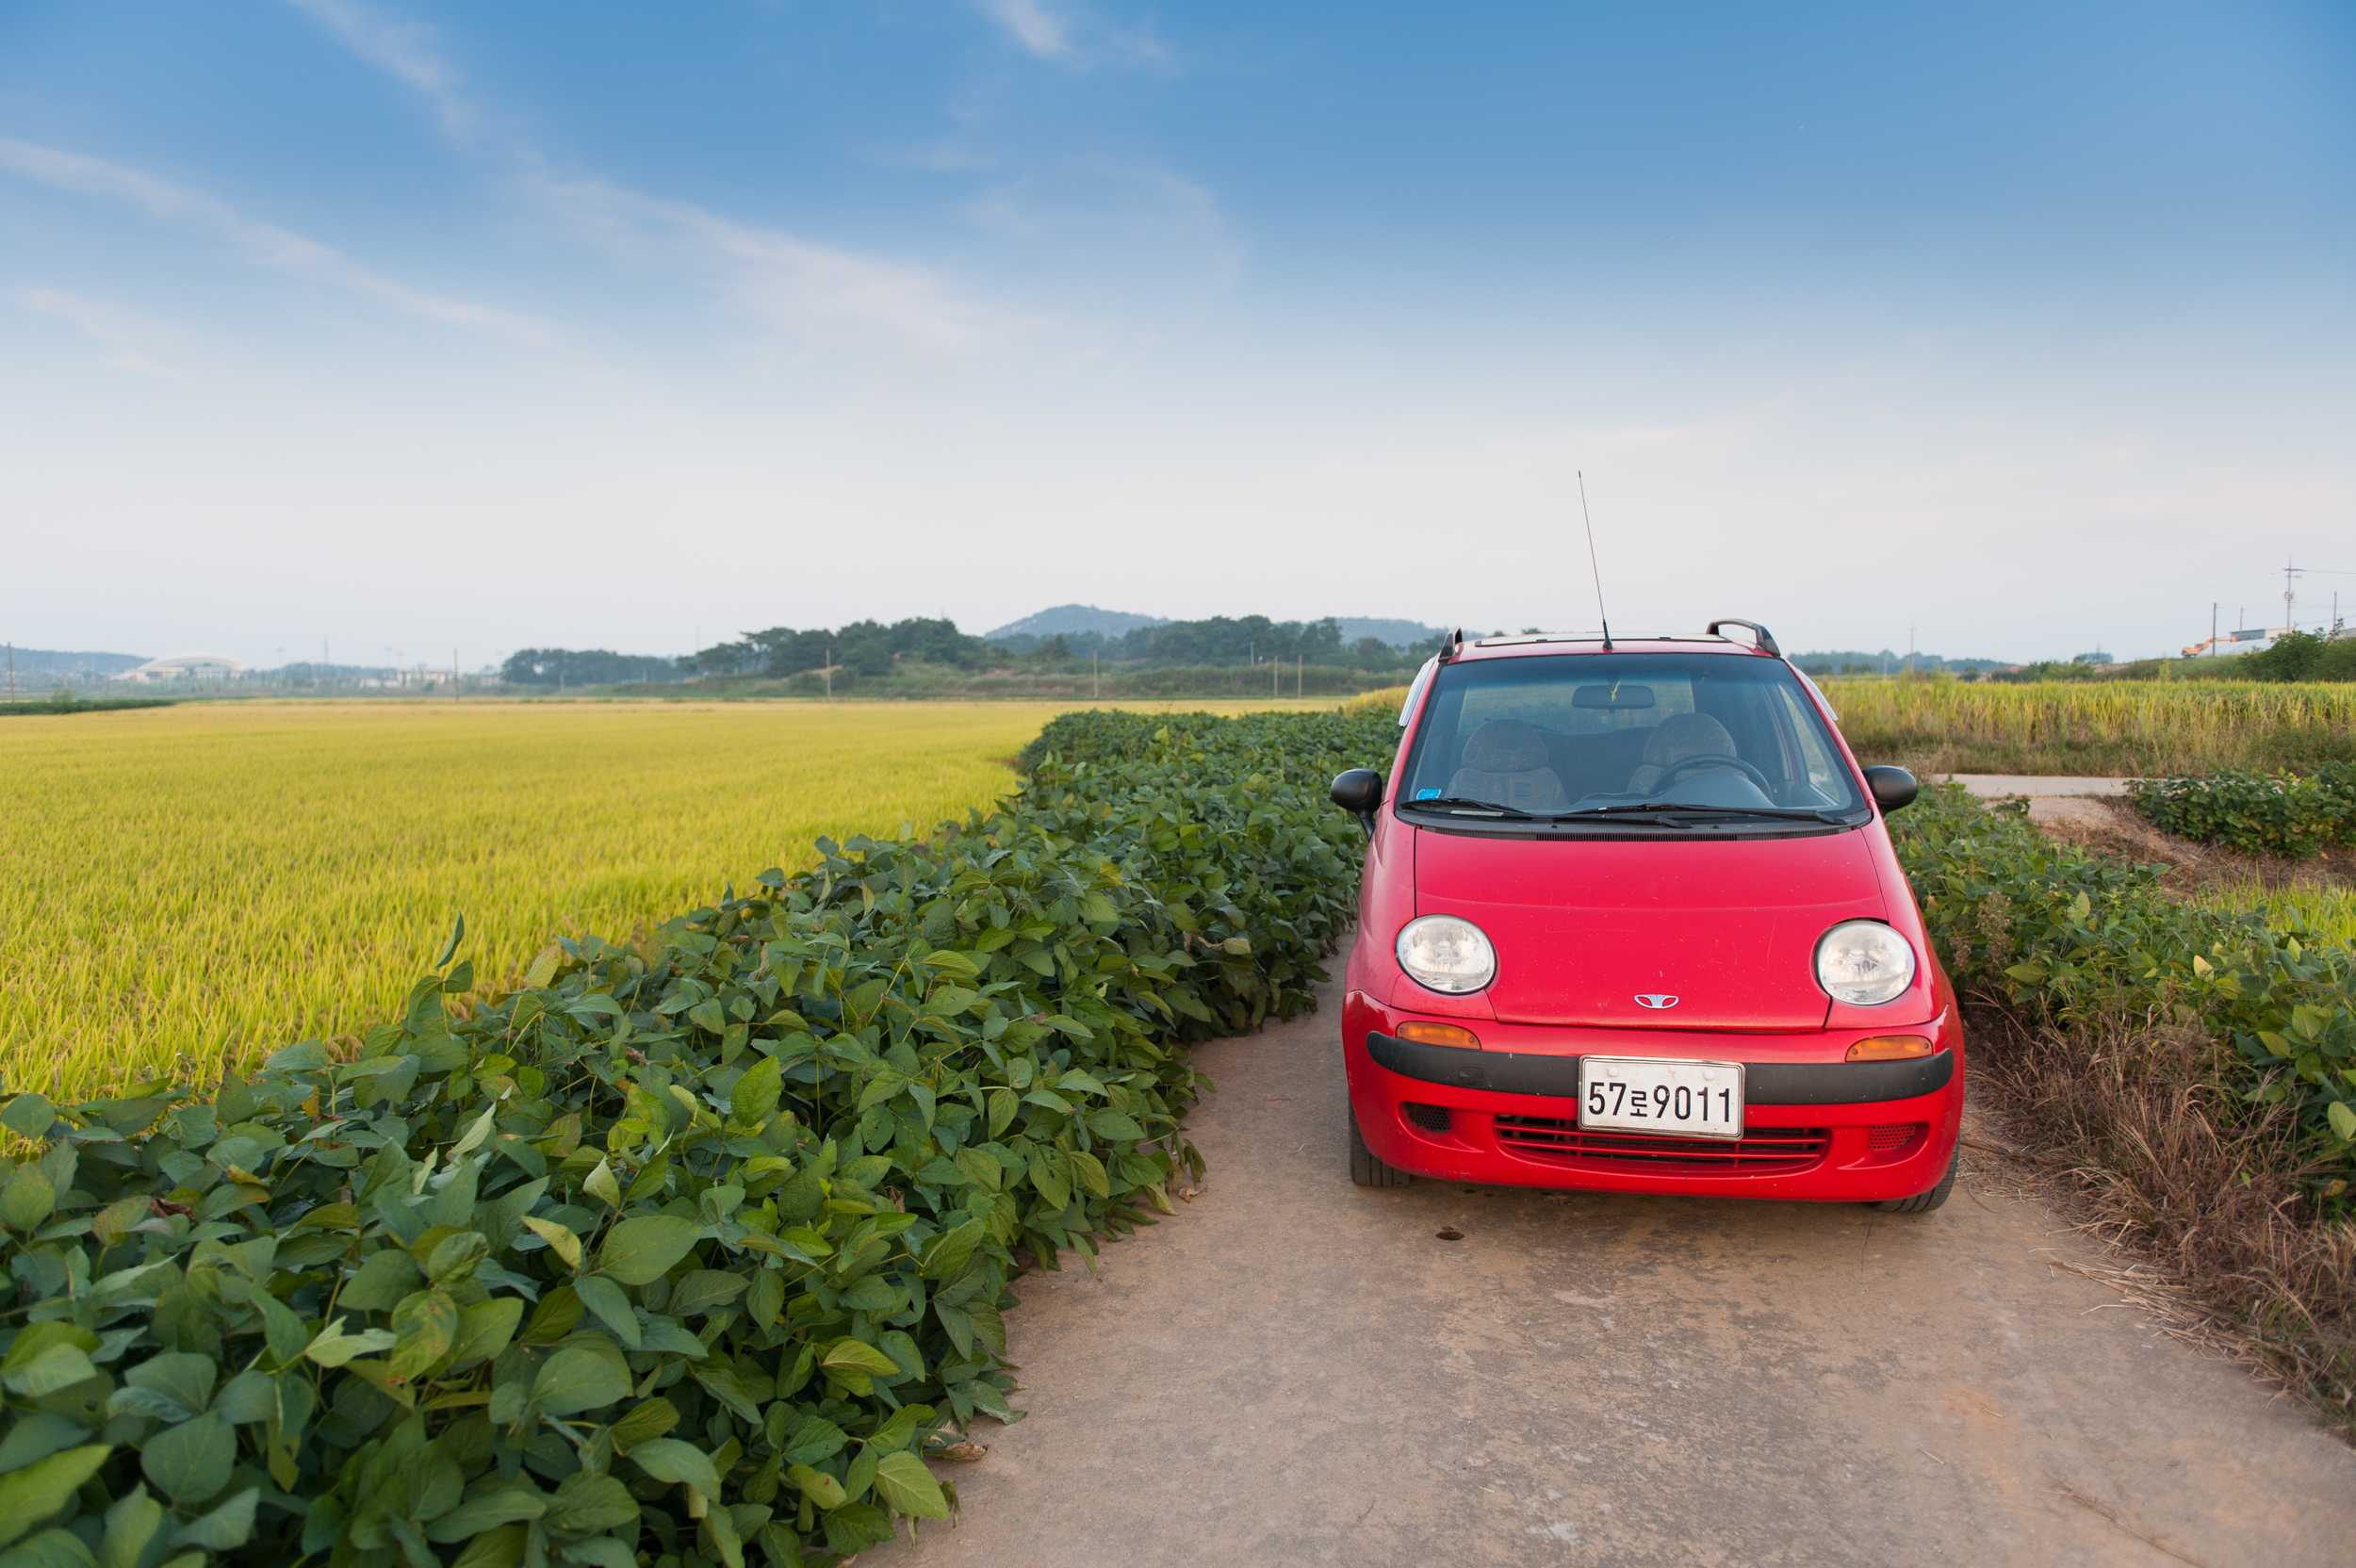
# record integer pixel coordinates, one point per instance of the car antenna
(1600, 612)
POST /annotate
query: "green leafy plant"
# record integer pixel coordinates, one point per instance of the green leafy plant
(2265, 813)
(687, 1248)
(2070, 936)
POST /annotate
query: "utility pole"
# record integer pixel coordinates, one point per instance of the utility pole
(2289, 572)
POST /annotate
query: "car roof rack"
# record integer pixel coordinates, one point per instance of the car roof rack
(1766, 638)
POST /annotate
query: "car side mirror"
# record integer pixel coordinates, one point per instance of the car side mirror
(1359, 792)
(1892, 788)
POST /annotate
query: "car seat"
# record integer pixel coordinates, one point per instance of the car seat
(1674, 739)
(1505, 763)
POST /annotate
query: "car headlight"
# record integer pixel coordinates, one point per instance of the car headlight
(1864, 963)
(1447, 953)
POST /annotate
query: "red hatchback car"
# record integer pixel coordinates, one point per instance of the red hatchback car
(1632, 922)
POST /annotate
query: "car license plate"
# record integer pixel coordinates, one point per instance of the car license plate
(1677, 1099)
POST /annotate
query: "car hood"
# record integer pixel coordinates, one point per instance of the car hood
(1583, 927)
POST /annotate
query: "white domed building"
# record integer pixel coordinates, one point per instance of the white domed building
(206, 669)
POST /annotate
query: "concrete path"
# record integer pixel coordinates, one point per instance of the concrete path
(1294, 1370)
(2052, 798)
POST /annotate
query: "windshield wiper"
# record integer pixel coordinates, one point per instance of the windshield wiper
(1466, 803)
(1637, 808)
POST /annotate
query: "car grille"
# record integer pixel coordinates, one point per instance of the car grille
(1762, 1153)
(1895, 1135)
(1431, 1119)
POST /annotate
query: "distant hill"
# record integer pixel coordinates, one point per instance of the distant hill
(47, 667)
(1397, 634)
(1069, 618)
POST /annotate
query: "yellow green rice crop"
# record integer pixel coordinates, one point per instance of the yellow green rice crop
(2329, 911)
(2111, 726)
(213, 881)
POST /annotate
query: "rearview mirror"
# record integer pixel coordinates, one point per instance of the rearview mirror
(1614, 696)
(1359, 792)
(1892, 788)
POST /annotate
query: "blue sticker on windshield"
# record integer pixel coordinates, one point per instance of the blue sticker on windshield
(1427, 795)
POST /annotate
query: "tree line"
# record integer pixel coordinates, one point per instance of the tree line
(872, 649)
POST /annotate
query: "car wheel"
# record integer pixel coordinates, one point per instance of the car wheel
(1924, 1202)
(1364, 1168)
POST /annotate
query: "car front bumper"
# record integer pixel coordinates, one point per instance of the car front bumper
(1815, 1128)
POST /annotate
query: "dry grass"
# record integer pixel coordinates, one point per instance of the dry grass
(2108, 727)
(2203, 1192)
(216, 880)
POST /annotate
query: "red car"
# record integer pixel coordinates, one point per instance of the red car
(1632, 922)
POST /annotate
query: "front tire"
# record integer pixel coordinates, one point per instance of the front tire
(1364, 1168)
(1924, 1202)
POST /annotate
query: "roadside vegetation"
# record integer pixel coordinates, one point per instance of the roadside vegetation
(2192, 1060)
(2292, 815)
(686, 1247)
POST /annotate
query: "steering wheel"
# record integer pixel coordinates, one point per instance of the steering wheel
(1677, 771)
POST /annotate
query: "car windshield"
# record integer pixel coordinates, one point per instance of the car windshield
(1614, 733)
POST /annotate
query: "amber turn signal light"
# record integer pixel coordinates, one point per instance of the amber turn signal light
(1890, 1048)
(1423, 1033)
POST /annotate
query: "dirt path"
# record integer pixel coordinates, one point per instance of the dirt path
(1294, 1370)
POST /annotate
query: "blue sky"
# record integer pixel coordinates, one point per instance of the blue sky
(419, 326)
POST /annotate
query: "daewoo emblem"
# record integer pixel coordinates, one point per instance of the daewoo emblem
(1656, 1000)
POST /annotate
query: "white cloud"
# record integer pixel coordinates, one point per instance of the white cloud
(262, 244)
(805, 289)
(130, 339)
(1067, 35)
(406, 50)
(1040, 33)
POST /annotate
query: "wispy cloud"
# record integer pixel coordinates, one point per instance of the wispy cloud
(407, 51)
(259, 243)
(806, 289)
(129, 339)
(1070, 36)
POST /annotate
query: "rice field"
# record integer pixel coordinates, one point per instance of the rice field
(2106, 728)
(2327, 910)
(188, 886)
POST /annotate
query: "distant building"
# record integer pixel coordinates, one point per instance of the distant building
(215, 667)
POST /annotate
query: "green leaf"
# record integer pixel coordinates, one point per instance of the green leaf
(52, 1368)
(225, 1528)
(175, 1385)
(819, 1487)
(648, 1420)
(704, 1291)
(189, 1462)
(902, 1480)
(455, 1258)
(29, 1496)
(449, 950)
(487, 1509)
(767, 1299)
(1116, 1125)
(282, 1328)
(333, 1348)
(640, 1250)
(133, 1521)
(577, 1379)
(600, 1183)
(26, 1199)
(54, 1548)
(754, 1099)
(666, 1459)
(28, 1116)
(610, 1306)
(853, 1355)
(501, 1548)
(586, 1505)
(561, 1241)
(2343, 1118)
(385, 1280)
(485, 1329)
(426, 1322)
